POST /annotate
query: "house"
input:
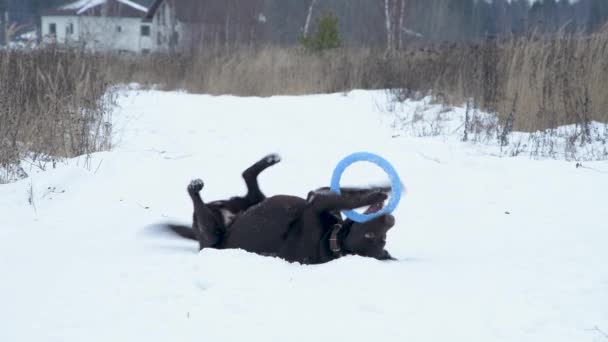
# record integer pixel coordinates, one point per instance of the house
(145, 26)
(180, 25)
(172, 24)
(99, 25)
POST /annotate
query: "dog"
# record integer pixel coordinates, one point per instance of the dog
(304, 230)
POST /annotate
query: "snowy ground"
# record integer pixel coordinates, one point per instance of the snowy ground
(489, 249)
(427, 118)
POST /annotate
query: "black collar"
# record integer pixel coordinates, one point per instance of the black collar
(336, 238)
(334, 243)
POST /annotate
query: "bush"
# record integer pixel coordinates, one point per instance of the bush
(325, 36)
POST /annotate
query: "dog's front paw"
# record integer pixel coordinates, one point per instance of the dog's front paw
(196, 186)
(272, 159)
(377, 197)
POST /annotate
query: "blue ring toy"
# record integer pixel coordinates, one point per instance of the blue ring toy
(386, 166)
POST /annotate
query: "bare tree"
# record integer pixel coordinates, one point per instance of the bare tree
(394, 15)
(11, 31)
(4, 22)
(402, 4)
(389, 31)
(308, 16)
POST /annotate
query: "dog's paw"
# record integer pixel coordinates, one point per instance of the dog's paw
(377, 197)
(272, 159)
(196, 185)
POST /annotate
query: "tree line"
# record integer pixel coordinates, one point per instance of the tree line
(371, 23)
(392, 23)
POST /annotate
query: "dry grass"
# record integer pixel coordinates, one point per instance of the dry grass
(536, 82)
(258, 72)
(53, 104)
(556, 81)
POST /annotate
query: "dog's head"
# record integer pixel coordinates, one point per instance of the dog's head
(369, 238)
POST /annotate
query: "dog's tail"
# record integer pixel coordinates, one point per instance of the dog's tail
(183, 231)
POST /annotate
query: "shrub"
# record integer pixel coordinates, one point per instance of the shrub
(326, 35)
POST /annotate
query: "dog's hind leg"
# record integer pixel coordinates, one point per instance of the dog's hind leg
(254, 194)
(206, 225)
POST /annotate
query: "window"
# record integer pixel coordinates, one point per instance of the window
(69, 29)
(159, 38)
(145, 31)
(52, 28)
(145, 51)
(118, 28)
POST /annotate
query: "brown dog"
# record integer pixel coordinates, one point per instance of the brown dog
(309, 231)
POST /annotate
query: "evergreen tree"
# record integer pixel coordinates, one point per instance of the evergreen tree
(325, 36)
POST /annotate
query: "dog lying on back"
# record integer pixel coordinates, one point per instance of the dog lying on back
(308, 231)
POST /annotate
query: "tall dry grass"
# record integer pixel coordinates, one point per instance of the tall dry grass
(53, 104)
(258, 72)
(557, 80)
(536, 81)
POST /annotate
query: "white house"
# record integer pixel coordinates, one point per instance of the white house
(99, 25)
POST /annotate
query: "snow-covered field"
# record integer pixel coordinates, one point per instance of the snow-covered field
(489, 249)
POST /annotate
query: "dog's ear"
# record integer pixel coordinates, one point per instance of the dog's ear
(388, 222)
(309, 196)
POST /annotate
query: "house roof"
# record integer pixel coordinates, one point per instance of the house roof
(152, 10)
(97, 8)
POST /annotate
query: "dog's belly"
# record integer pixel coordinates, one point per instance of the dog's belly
(263, 228)
(227, 217)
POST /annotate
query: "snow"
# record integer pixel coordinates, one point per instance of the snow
(134, 5)
(427, 118)
(89, 5)
(82, 6)
(489, 248)
(29, 36)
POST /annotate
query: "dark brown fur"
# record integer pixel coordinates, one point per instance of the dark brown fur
(289, 227)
